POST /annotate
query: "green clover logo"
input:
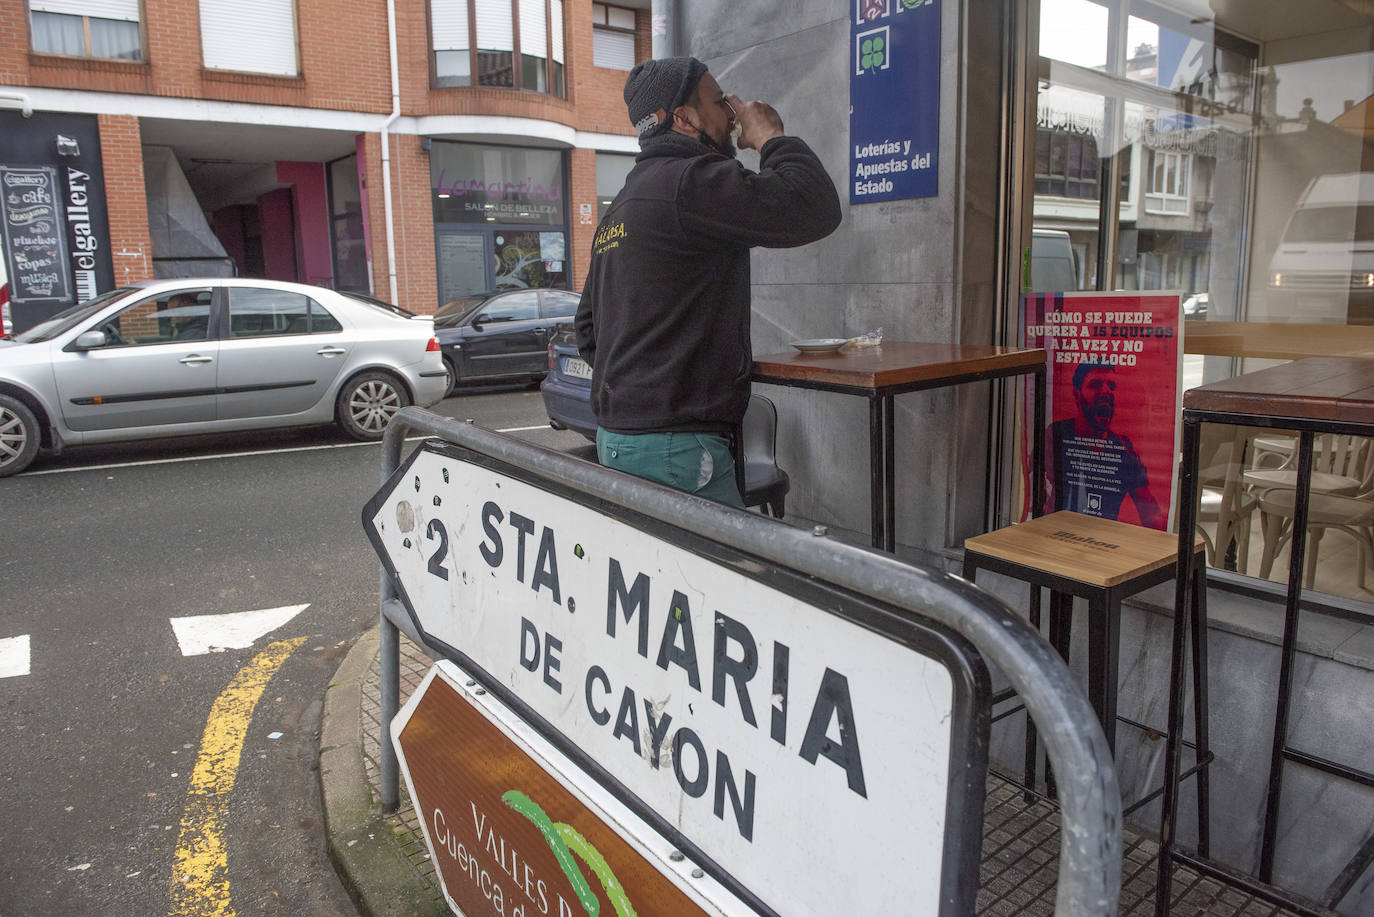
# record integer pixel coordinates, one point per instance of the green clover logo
(873, 53)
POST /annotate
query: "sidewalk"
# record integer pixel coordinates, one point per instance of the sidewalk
(386, 868)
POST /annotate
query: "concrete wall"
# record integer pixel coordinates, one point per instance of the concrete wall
(921, 270)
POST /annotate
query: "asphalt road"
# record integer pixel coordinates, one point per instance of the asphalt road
(106, 744)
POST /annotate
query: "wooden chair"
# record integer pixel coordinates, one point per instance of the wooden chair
(1341, 506)
(1104, 562)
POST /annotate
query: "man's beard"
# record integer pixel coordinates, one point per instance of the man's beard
(1100, 414)
(728, 150)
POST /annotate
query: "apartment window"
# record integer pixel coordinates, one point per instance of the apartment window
(256, 36)
(613, 37)
(1168, 183)
(506, 44)
(86, 28)
(1067, 165)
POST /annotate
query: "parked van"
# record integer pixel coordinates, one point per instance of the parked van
(1053, 268)
(1326, 255)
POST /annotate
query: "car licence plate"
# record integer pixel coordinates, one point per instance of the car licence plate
(576, 367)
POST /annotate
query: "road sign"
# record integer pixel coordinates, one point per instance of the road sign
(509, 834)
(814, 751)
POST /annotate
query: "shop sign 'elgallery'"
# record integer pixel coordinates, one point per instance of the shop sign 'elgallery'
(894, 100)
(756, 729)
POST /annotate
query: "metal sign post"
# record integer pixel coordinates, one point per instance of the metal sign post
(756, 697)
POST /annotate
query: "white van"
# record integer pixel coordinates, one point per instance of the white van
(1327, 250)
(1053, 268)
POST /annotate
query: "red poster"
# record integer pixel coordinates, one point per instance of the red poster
(1115, 379)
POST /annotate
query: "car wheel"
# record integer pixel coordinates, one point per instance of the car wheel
(368, 402)
(19, 436)
(451, 379)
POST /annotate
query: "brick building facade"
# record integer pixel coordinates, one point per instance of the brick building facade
(274, 113)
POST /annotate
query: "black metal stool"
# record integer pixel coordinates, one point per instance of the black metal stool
(1104, 562)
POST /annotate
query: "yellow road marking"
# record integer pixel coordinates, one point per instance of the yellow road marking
(200, 866)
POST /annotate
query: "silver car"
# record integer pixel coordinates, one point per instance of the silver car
(183, 356)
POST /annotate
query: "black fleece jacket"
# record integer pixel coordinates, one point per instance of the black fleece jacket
(664, 317)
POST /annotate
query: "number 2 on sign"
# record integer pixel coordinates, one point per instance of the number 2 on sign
(436, 560)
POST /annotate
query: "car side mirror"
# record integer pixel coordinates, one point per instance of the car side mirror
(89, 340)
(479, 321)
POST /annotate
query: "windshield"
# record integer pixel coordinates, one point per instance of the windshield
(65, 320)
(1332, 224)
(454, 311)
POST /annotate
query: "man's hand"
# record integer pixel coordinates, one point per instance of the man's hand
(758, 121)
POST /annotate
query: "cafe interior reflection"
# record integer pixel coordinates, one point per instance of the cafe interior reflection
(1225, 150)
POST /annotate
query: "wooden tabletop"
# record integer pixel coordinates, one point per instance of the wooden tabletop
(1101, 552)
(893, 363)
(1278, 340)
(1317, 388)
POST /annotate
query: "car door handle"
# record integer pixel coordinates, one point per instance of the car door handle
(196, 358)
(330, 351)
(541, 331)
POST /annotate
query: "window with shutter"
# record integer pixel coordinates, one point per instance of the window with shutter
(613, 37)
(257, 36)
(452, 47)
(508, 44)
(86, 28)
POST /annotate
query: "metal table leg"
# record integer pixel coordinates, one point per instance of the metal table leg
(882, 471)
(1187, 521)
(1038, 444)
(1296, 562)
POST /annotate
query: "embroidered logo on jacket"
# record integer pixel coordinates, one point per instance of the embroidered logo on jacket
(608, 237)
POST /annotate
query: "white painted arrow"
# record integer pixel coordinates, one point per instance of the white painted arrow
(201, 634)
(14, 656)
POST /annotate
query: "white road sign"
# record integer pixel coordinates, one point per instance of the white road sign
(809, 757)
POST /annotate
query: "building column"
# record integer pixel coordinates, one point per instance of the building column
(582, 212)
(126, 199)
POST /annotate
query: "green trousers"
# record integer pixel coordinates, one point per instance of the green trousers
(698, 463)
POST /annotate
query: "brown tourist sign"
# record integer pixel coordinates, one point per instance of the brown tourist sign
(508, 839)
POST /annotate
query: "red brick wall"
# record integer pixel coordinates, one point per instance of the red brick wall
(417, 283)
(121, 154)
(583, 191)
(344, 64)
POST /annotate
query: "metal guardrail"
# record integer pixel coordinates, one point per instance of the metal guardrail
(1090, 801)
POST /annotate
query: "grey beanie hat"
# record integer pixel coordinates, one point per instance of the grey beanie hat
(655, 88)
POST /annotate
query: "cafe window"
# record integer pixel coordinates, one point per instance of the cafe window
(1248, 130)
(255, 36)
(613, 37)
(505, 44)
(86, 28)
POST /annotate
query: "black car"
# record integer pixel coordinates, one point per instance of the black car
(502, 335)
(567, 389)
